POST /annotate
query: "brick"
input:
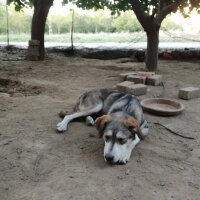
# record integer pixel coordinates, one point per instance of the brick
(137, 89)
(34, 42)
(189, 93)
(154, 80)
(32, 58)
(123, 76)
(123, 85)
(136, 79)
(146, 74)
(33, 47)
(33, 52)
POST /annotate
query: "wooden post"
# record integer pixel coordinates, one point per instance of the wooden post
(7, 24)
(72, 30)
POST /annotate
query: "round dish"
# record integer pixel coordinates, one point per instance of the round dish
(161, 106)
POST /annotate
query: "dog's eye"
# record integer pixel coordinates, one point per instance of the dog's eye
(107, 138)
(122, 140)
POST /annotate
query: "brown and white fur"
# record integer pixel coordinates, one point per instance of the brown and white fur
(122, 124)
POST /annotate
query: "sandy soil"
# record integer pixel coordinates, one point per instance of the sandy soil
(39, 164)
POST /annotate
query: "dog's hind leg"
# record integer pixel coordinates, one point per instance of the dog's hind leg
(62, 126)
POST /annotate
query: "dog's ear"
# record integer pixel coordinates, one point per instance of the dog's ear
(101, 122)
(134, 126)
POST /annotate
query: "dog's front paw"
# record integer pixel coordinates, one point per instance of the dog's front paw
(61, 127)
(89, 121)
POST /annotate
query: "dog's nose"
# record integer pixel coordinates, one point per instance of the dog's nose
(109, 157)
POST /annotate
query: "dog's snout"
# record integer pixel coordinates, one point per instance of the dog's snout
(109, 157)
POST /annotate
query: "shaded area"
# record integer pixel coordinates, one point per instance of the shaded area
(37, 163)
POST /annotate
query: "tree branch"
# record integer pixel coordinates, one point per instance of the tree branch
(20, 3)
(139, 12)
(166, 10)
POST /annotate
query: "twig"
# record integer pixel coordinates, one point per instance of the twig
(175, 133)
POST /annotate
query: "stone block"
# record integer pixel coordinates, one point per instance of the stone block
(123, 85)
(124, 76)
(189, 93)
(146, 74)
(32, 57)
(34, 42)
(36, 48)
(34, 52)
(154, 80)
(137, 89)
(137, 79)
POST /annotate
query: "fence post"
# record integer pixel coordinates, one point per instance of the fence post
(72, 31)
(7, 23)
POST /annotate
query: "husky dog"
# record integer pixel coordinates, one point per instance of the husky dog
(121, 124)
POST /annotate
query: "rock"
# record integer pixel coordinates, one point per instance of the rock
(162, 184)
(154, 80)
(137, 89)
(124, 76)
(127, 172)
(34, 42)
(189, 93)
(123, 86)
(136, 79)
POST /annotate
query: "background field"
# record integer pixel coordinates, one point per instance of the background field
(106, 37)
(95, 27)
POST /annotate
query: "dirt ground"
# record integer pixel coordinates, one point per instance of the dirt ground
(39, 164)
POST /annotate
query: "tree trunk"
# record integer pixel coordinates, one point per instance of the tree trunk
(41, 10)
(152, 49)
(152, 25)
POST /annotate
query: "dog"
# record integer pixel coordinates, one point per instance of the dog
(122, 124)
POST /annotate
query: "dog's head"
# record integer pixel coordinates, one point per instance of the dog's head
(121, 133)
